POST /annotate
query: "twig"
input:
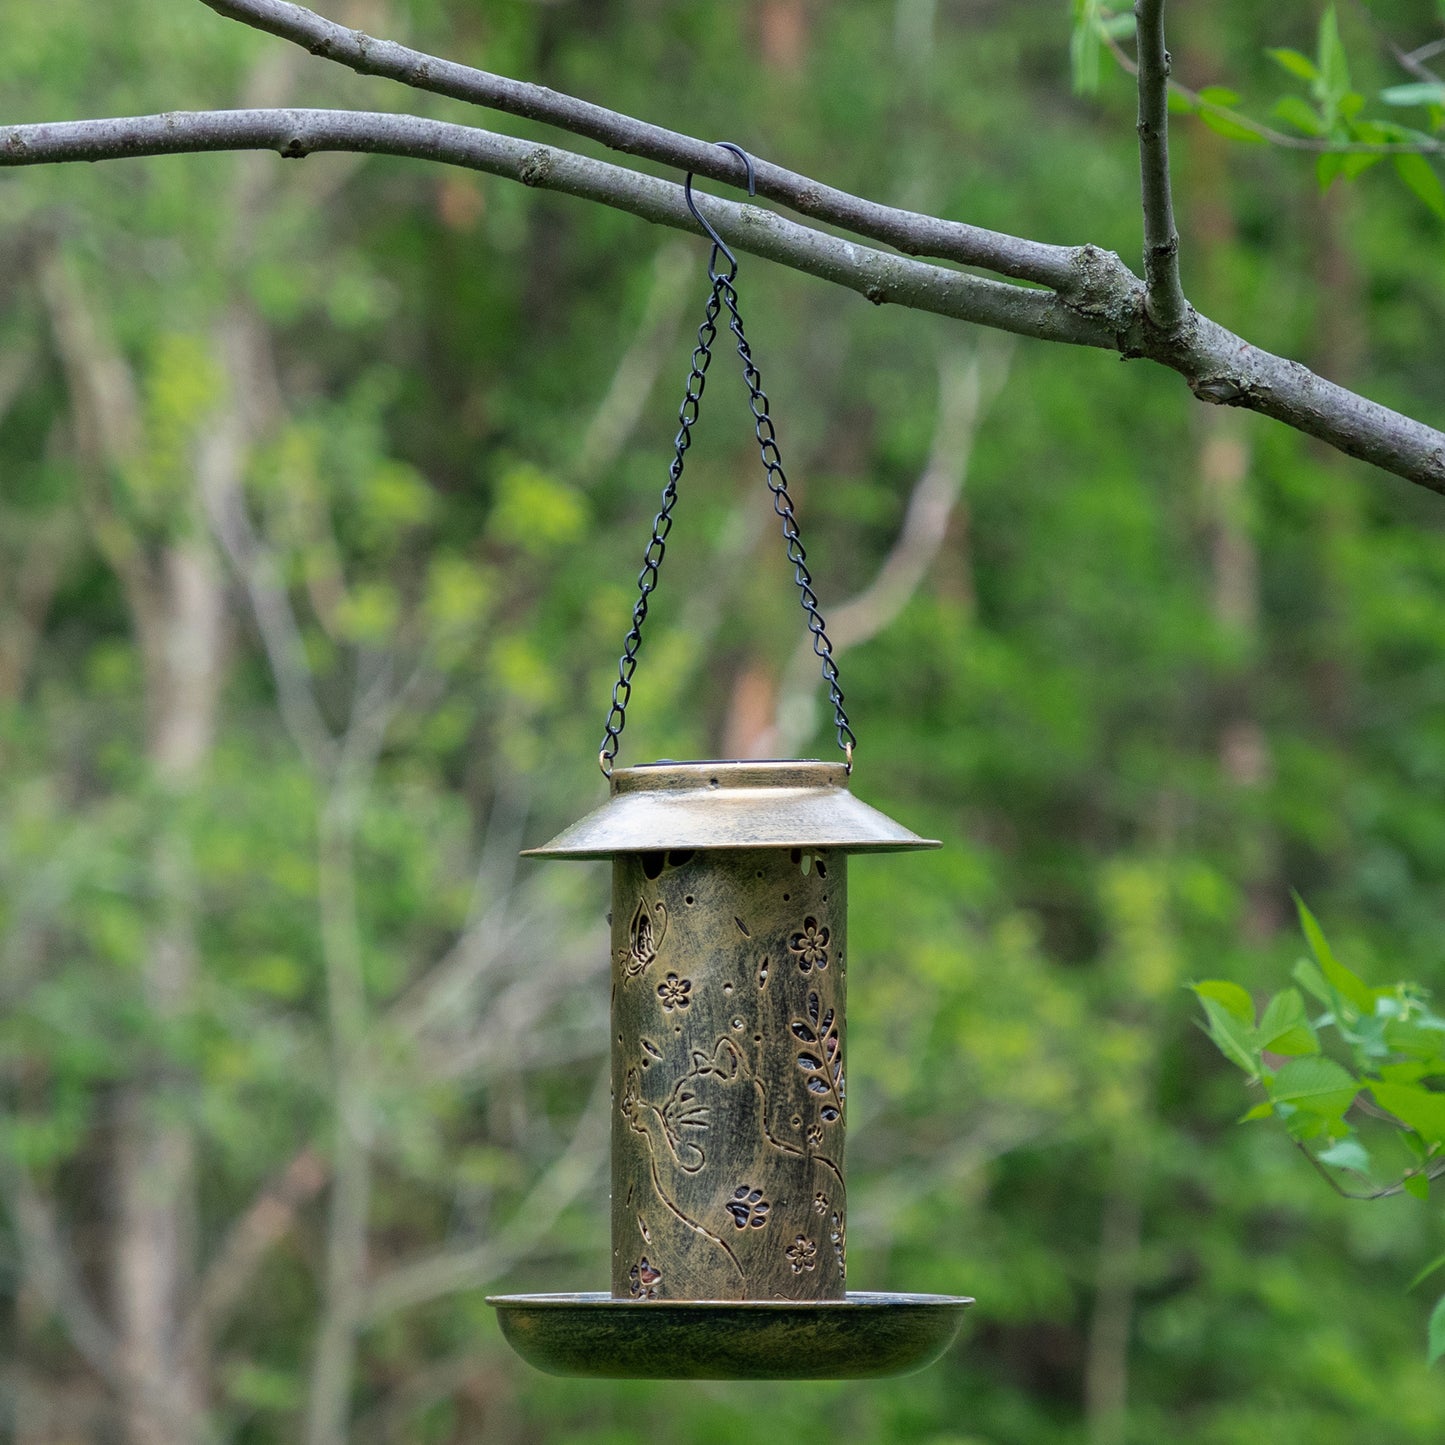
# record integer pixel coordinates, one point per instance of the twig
(1313, 144)
(965, 391)
(632, 382)
(1386, 1192)
(909, 231)
(1164, 297)
(47, 1263)
(453, 1270)
(269, 1216)
(280, 633)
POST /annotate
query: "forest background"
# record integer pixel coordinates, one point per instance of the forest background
(324, 486)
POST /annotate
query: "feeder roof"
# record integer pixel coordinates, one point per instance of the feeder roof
(731, 805)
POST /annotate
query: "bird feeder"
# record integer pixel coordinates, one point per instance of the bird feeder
(729, 1088)
(729, 972)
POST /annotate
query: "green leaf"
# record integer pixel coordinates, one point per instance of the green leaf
(1419, 175)
(1350, 986)
(1425, 92)
(1426, 1272)
(1084, 48)
(1218, 95)
(1437, 1330)
(1418, 1109)
(1319, 1086)
(1296, 111)
(1234, 998)
(1226, 125)
(1356, 163)
(1300, 66)
(1284, 1029)
(1333, 81)
(1230, 1036)
(1327, 167)
(1347, 1154)
(1260, 1111)
(1313, 982)
(1117, 27)
(1418, 1185)
(1422, 1042)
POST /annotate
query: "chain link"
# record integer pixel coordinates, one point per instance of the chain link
(723, 294)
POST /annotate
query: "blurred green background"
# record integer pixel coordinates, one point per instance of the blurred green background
(324, 487)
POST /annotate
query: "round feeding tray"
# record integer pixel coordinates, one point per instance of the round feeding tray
(857, 1337)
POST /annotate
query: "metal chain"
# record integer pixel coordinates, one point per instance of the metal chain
(777, 483)
(724, 293)
(687, 415)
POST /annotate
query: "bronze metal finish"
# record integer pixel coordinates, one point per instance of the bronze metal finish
(728, 987)
(729, 971)
(731, 805)
(863, 1336)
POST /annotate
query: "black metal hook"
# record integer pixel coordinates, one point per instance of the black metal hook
(718, 243)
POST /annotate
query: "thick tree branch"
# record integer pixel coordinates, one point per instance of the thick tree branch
(1163, 296)
(296, 133)
(908, 231)
(1104, 307)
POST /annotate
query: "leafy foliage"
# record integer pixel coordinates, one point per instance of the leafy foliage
(1361, 1117)
(1165, 660)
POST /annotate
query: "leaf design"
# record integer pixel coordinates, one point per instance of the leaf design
(823, 1064)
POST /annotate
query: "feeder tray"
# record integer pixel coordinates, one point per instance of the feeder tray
(729, 1200)
(861, 1336)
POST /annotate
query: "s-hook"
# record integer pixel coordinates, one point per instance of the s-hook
(724, 294)
(718, 244)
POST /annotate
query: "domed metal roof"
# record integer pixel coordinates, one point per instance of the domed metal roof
(731, 805)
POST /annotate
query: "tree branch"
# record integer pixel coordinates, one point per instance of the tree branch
(296, 133)
(1102, 309)
(469, 1267)
(1163, 296)
(908, 231)
(967, 387)
(249, 1239)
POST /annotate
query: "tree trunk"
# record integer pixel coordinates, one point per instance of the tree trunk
(182, 640)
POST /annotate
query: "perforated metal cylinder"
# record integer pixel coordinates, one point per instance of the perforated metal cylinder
(728, 982)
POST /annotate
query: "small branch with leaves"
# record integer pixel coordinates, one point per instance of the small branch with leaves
(1388, 1049)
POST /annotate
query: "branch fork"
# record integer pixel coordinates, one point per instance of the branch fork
(1081, 295)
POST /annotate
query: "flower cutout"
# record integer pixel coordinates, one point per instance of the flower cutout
(839, 1236)
(811, 946)
(674, 991)
(748, 1207)
(643, 1280)
(802, 1254)
(820, 1203)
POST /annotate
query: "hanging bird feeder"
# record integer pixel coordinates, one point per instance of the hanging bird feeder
(729, 974)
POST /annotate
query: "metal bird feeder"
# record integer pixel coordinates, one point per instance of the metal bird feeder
(729, 977)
